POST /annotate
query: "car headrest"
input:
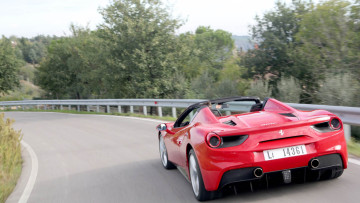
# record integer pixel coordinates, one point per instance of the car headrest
(256, 107)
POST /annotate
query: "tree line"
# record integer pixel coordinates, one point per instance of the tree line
(317, 46)
(304, 52)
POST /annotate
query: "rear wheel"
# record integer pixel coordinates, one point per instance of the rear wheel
(333, 173)
(325, 174)
(197, 182)
(163, 154)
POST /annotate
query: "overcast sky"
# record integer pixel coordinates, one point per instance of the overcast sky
(29, 18)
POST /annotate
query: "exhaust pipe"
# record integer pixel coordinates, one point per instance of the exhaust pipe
(258, 172)
(314, 163)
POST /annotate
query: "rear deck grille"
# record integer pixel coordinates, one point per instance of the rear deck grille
(230, 122)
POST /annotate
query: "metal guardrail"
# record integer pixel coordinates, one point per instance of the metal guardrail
(349, 115)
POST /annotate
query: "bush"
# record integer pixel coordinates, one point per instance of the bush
(340, 89)
(355, 132)
(289, 90)
(259, 88)
(10, 157)
(27, 73)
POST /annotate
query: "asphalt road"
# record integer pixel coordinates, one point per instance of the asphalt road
(92, 158)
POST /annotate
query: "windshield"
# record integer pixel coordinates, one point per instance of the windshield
(233, 107)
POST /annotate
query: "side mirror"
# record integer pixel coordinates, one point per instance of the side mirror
(161, 127)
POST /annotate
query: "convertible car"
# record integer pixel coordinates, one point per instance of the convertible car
(221, 142)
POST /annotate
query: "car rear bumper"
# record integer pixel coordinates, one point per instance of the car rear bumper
(222, 167)
(328, 163)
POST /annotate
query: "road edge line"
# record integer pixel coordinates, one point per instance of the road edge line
(354, 161)
(33, 174)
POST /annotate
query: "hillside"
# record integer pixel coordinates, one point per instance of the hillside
(243, 42)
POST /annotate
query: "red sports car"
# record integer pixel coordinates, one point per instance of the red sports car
(219, 142)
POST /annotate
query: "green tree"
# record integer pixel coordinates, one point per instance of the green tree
(325, 36)
(328, 43)
(53, 73)
(74, 67)
(33, 50)
(141, 38)
(9, 65)
(214, 46)
(274, 55)
(206, 51)
(208, 64)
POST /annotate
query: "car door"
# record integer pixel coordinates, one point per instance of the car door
(181, 130)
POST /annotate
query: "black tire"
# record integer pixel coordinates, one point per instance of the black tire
(333, 173)
(338, 173)
(201, 194)
(325, 174)
(163, 155)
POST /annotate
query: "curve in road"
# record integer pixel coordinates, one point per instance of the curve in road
(92, 158)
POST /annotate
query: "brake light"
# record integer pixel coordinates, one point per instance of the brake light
(213, 140)
(335, 124)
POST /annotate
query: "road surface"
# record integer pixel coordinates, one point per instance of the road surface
(94, 158)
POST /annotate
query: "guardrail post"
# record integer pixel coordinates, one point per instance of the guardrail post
(160, 111)
(87, 108)
(23, 107)
(53, 107)
(69, 107)
(61, 107)
(16, 108)
(97, 108)
(228, 113)
(173, 112)
(78, 107)
(45, 107)
(347, 132)
(108, 109)
(131, 109)
(145, 110)
(119, 109)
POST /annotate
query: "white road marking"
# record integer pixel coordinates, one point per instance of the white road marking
(34, 170)
(354, 161)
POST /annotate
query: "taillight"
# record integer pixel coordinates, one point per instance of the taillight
(335, 124)
(213, 140)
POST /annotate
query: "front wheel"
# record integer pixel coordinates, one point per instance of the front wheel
(197, 182)
(163, 154)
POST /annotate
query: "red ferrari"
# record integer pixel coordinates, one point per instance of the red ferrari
(217, 143)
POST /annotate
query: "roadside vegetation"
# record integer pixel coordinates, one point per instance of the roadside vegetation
(10, 157)
(354, 147)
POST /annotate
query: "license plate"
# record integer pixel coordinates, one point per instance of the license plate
(284, 152)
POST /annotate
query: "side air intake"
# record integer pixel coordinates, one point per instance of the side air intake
(230, 122)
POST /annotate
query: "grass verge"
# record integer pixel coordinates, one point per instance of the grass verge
(353, 148)
(10, 157)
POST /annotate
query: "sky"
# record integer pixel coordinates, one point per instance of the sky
(29, 18)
